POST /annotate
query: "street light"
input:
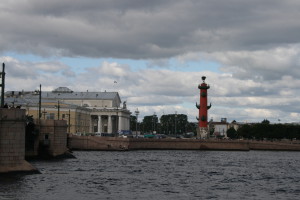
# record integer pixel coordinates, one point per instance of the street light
(175, 123)
(153, 122)
(58, 109)
(2, 84)
(69, 120)
(117, 120)
(137, 112)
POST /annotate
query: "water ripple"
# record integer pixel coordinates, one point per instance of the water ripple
(160, 175)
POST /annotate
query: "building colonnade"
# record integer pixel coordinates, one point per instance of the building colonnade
(110, 123)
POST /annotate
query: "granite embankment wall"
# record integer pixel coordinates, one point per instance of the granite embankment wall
(112, 143)
(97, 143)
(187, 144)
(275, 146)
(12, 141)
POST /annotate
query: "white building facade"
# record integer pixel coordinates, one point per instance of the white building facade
(106, 113)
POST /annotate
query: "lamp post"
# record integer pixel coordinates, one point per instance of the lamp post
(58, 109)
(40, 102)
(69, 120)
(117, 121)
(154, 122)
(175, 123)
(2, 84)
(137, 112)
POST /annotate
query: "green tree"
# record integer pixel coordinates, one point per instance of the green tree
(265, 121)
(192, 127)
(132, 122)
(265, 130)
(150, 123)
(175, 124)
(232, 133)
(244, 131)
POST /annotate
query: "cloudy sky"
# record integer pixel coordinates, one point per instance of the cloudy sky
(154, 53)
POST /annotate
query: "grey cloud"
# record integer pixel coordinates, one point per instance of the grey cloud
(141, 83)
(31, 69)
(68, 73)
(49, 67)
(16, 69)
(154, 101)
(262, 65)
(28, 75)
(146, 29)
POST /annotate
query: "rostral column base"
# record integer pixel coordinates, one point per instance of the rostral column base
(202, 132)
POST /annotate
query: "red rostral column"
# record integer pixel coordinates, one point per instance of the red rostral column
(202, 120)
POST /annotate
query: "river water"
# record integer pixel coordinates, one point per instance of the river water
(160, 175)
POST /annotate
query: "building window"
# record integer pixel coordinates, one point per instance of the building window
(50, 115)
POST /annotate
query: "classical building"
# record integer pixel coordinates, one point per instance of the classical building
(85, 112)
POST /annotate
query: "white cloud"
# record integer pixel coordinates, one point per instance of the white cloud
(270, 64)
(114, 69)
(167, 91)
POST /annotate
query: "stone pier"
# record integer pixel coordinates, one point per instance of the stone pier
(12, 141)
(52, 137)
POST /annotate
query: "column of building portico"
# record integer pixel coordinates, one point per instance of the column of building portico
(120, 123)
(109, 125)
(127, 123)
(99, 124)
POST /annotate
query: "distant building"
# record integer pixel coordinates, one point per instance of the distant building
(85, 112)
(219, 129)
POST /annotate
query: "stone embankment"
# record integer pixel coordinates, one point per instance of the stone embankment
(113, 143)
(97, 143)
(275, 146)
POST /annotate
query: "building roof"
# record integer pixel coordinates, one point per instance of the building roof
(34, 102)
(218, 123)
(65, 93)
(81, 95)
(62, 90)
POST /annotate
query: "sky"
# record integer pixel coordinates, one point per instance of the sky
(154, 53)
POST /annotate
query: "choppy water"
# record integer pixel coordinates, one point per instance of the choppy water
(160, 175)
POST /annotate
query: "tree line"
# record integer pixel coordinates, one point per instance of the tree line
(172, 124)
(265, 130)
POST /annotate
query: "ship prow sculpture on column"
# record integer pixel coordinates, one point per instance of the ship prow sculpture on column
(202, 129)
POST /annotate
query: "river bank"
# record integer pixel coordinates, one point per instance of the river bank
(116, 143)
